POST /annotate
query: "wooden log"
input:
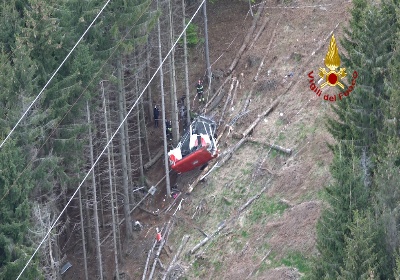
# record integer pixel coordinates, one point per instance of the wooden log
(234, 92)
(266, 52)
(148, 259)
(272, 146)
(217, 92)
(246, 39)
(148, 212)
(259, 141)
(225, 157)
(201, 231)
(227, 100)
(159, 250)
(266, 20)
(263, 114)
(191, 187)
(154, 159)
(258, 265)
(251, 200)
(185, 239)
(208, 238)
(215, 102)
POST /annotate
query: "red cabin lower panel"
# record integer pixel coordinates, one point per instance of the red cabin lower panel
(193, 160)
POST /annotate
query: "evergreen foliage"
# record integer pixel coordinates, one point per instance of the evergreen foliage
(362, 258)
(14, 214)
(344, 196)
(361, 241)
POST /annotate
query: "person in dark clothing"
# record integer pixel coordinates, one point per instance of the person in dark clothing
(200, 91)
(169, 129)
(156, 115)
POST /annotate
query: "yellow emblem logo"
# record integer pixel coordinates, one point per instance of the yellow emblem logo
(332, 61)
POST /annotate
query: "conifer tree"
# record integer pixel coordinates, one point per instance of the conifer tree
(362, 258)
(368, 43)
(14, 214)
(344, 196)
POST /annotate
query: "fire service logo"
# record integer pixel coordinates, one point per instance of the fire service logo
(331, 77)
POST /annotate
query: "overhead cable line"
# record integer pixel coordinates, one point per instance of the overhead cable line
(108, 143)
(52, 76)
(69, 110)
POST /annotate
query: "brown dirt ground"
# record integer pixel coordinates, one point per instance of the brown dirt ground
(300, 27)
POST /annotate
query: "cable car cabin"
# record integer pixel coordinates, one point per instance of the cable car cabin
(196, 148)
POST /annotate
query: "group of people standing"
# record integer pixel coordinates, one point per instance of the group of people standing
(182, 109)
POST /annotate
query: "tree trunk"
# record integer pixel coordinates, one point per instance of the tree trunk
(144, 128)
(172, 77)
(141, 179)
(118, 232)
(83, 236)
(101, 200)
(128, 224)
(95, 215)
(111, 191)
(87, 219)
(166, 161)
(185, 56)
(126, 129)
(148, 66)
(208, 66)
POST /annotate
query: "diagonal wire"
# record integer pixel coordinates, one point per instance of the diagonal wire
(108, 143)
(52, 76)
(69, 110)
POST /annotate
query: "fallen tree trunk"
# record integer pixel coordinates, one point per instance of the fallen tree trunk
(148, 212)
(148, 259)
(258, 265)
(217, 92)
(228, 99)
(268, 47)
(159, 250)
(263, 114)
(251, 200)
(154, 159)
(191, 187)
(258, 141)
(246, 39)
(178, 253)
(272, 146)
(266, 20)
(208, 238)
(237, 85)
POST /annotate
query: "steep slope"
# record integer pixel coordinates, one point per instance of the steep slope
(273, 237)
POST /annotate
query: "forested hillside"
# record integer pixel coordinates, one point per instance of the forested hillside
(303, 188)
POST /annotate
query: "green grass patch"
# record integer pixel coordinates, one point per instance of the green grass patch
(263, 207)
(217, 265)
(306, 130)
(244, 234)
(298, 261)
(279, 122)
